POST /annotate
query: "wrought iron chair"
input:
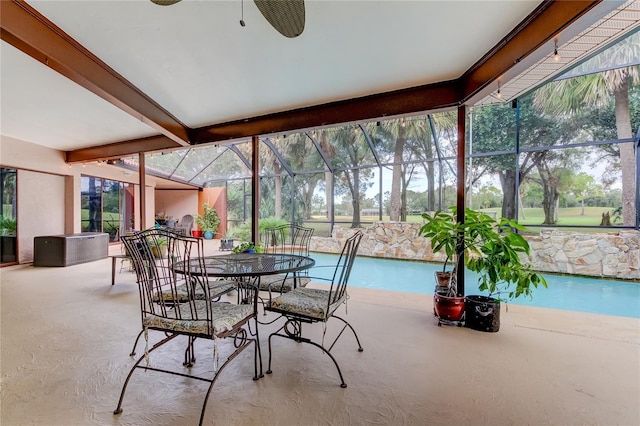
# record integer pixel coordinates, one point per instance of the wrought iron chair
(191, 312)
(157, 238)
(304, 305)
(291, 239)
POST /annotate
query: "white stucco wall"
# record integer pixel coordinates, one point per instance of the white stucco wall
(48, 191)
(176, 202)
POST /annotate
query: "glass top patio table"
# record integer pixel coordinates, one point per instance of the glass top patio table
(248, 264)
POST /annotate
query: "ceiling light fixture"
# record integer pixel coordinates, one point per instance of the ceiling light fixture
(242, 13)
(556, 56)
(164, 2)
(499, 94)
(285, 16)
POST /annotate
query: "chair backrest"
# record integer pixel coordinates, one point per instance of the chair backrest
(290, 238)
(299, 239)
(165, 275)
(272, 240)
(343, 268)
(185, 225)
(186, 221)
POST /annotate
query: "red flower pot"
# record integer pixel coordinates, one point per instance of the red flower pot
(448, 308)
(197, 233)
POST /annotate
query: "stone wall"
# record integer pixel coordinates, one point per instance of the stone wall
(615, 254)
(611, 255)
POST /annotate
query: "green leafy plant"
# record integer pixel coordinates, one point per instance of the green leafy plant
(245, 247)
(209, 220)
(158, 246)
(243, 232)
(442, 230)
(492, 248)
(8, 226)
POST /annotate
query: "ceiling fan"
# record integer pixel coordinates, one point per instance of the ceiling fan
(286, 16)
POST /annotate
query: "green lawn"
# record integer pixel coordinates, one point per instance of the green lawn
(534, 217)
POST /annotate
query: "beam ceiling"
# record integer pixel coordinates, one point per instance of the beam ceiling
(26, 29)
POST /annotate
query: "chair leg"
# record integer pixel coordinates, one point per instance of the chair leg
(257, 353)
(118, 409)
(352, 329)
(240, 343)
(215, 377)
(294, 332)
(133, 350)
(190, 353)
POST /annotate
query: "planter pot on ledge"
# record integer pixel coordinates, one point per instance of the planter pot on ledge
(226, 244)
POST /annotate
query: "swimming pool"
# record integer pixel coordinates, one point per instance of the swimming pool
(599, 296)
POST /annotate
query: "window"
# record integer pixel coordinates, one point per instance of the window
(107, 206)
(8, 216)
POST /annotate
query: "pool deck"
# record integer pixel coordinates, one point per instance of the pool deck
(67, 333)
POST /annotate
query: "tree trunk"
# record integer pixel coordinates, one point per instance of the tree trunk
(431, 187)
(395, 202)
(627, 154)
(307, 196)
(355, 199)
(328, 175)
(278, 189)
(403, 198)
(508, 183)
(328, 182)
(550, 194)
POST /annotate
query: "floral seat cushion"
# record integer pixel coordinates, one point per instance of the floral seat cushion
(181, 293)
(280, 283)
(224, 316)
(308, 302)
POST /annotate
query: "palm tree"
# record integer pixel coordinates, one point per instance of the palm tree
(437, 128)
(572, 95)
(269, 159)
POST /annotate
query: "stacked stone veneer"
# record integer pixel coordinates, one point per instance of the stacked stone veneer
(614, 255)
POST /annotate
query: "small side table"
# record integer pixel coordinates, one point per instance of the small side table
(114, 258)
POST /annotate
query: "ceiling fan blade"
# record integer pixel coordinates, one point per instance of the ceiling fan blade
(165, 2)
(286, 16)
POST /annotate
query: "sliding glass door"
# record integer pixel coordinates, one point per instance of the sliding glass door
(8, 216)
(107, 206)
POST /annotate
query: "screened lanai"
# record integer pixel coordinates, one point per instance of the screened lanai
(523, 159)
(347, 142)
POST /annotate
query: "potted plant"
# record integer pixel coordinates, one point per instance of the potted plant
(158, 247)
(499, 252)
(246, 247)
(442, 230)
(495, 250)
(208, 222)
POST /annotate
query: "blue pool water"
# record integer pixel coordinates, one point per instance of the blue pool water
(599, 296)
